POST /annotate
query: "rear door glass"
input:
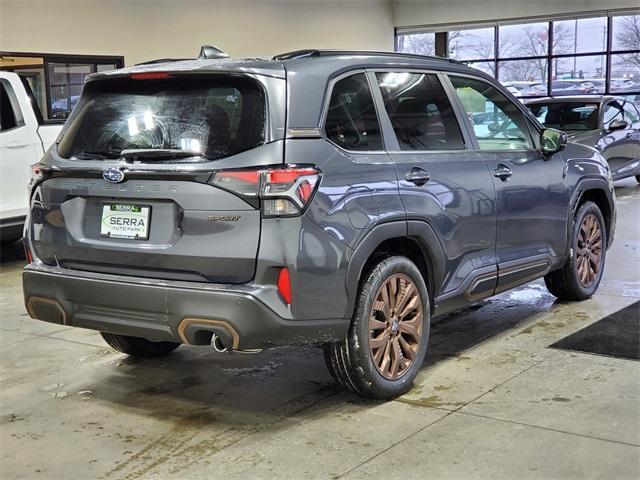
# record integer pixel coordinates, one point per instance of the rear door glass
(210, 116)
(420, 112)
(352, 122)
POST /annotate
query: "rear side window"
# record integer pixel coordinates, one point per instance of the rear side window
(420, 112)
(497, 122)
(10, 115)
(352, 122)
(210, 116)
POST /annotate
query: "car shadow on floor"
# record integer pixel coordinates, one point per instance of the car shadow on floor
(195, 384)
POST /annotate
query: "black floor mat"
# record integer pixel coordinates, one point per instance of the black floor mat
(617, 335)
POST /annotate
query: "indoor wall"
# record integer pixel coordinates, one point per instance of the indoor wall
(149, 29)
(407, 13)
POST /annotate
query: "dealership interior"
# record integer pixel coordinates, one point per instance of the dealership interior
(517, 384)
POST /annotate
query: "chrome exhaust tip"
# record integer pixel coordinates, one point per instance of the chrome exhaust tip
(218, 345)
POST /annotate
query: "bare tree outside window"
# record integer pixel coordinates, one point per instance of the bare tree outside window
(576, 61)
(418, 43)
(626, 31)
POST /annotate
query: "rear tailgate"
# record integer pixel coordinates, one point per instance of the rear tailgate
(163, 219)
(195, 231)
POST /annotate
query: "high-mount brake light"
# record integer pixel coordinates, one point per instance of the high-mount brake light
(284, 191)
(149, 76)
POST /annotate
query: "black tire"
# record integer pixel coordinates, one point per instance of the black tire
(138, 347)
(638, 178)
(565, 283)
(351, 362)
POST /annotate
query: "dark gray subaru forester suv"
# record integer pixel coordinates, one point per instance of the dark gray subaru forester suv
(336, 198)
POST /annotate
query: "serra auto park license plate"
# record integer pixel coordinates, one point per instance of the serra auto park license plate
(125, 221)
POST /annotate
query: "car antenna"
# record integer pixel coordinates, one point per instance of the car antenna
(209, 52)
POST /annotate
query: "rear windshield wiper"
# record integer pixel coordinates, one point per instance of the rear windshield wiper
(98, 154)
(159, 153)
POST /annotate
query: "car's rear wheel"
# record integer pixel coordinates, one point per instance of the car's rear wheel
(138, 347)
(579, 278)
(389, 332)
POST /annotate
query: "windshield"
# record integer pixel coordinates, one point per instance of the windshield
(571, 116)
(198, 118)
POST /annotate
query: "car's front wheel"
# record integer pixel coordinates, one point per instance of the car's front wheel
(138, 347)
(579, 278)
(389, 332)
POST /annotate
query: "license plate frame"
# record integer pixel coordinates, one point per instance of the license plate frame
(126, 221)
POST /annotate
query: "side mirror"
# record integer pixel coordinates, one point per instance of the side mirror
(552, 140)
(617, 125)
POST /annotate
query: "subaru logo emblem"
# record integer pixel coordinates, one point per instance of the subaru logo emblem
(113, 175)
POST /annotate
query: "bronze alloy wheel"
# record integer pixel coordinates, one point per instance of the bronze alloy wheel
(395, 326)
(589, 251)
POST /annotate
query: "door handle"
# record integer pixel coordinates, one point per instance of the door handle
(16, 145)
(502, 172)
(418, 176)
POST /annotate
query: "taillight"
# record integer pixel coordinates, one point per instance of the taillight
(284, 191)
(27, 251)
(243, 182)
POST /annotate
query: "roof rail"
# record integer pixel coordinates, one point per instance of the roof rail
(297, 54)
(310, 53)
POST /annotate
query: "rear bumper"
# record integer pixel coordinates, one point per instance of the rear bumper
(169, 311)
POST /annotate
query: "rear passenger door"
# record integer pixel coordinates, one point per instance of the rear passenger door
(443, 185)
(531, 192)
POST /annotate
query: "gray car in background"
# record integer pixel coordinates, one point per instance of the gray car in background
(609, 124)
(335, 198)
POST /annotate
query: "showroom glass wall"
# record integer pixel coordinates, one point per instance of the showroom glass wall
(56, 80)
(567, 56)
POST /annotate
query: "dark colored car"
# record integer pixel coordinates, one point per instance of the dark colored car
(609, 124)
(335, 198)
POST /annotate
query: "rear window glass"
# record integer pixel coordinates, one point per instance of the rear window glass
(572, 116)
(211, 117)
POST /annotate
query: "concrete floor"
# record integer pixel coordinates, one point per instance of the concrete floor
(493, 401)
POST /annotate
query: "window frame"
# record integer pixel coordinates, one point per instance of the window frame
(325, 112)
(72, 59)
(530, 120)
(549, 55)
